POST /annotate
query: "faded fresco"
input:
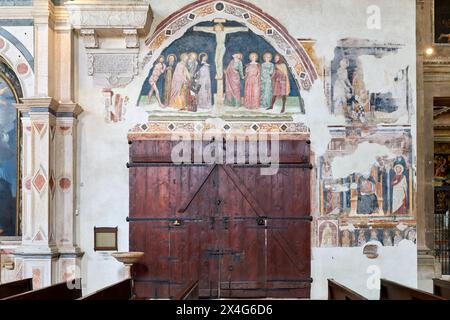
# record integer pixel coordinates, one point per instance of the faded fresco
(350, 236)
(359, 98)
(8, 160)
(115, 106)
(366, 177)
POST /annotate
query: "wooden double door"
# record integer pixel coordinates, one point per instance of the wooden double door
(240, 233)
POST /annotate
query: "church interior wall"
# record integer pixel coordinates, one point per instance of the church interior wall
(366, 142)
(390, 137)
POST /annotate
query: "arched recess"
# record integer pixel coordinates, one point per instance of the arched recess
(10, 94)
(174, 26)
(20, 61)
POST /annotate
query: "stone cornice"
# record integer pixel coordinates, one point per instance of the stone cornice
(43, 12)
(440, 60)
(111, 67)
(436, 69)
(60, 109)
(72, 108)
(110, 14)
(18, 12)
(61, 18)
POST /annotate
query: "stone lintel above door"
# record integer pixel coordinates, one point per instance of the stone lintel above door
(111, 66)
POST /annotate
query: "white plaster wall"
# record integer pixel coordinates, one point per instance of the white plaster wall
(24, 34)
(103, 149)
(103, 182)
(353, 269)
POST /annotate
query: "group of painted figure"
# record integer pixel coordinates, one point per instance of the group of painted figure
(187, 83)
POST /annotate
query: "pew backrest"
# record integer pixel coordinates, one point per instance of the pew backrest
(337, 291)
(122, 290)
(15, 287)
(390, 290)
(60, 291)
(441, 288)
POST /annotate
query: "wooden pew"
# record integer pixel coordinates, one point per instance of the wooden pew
(60, 291)
(390, 290)
(120, 291)
(190, 292)
(441, 288)
(337, 291)
(15, 287)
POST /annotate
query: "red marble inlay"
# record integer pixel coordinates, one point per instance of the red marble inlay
(39, 181)
(28, 184)
(39, 236)
(2, 43)
(22, 68)
(39, 127)
(65, 183)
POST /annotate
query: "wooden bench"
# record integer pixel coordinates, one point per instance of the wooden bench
(60, 291)
(190, 292)
(15, 287)
(441, 288)
(390, 290)
(337, 291)
(122, 290)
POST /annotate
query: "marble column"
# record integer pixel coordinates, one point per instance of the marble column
(38, 252)
(43, 14)
(65, 191)
(48, 253)
(427, 80)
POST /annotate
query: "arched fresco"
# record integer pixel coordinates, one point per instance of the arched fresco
(237, 59)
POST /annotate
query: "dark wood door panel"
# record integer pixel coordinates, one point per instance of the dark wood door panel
(152, 151)
(289, 253)
(160, 151)
(167, 188)
(152, 272)
(240, 233)
(243, 263)
(282, 194)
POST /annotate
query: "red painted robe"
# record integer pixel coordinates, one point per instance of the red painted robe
(252, 91)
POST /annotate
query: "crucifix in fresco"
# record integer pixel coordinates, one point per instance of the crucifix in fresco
(221, 32)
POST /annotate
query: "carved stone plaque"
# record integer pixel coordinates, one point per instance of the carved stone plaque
(113, 69)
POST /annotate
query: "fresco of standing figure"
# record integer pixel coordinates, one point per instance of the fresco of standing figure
(280, 82)
(267, 70)
(342, 91)
(171, 60)
(252, 97)
(204, 81)
(233, 75)
(180, 84)
(158, 69)
(192, 65)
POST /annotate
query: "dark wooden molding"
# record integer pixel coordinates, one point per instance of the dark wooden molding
(337, 291)
(15, 287)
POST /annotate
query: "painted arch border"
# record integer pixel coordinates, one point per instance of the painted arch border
(15, 54)
(262, 24)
